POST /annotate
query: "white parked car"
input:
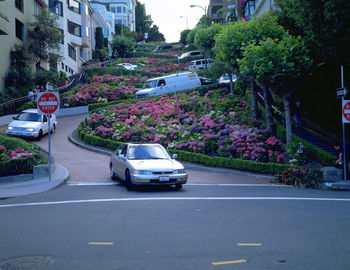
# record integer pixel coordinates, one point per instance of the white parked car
(126, 66)
(146, 164)
(225, 79)
(200, 64)
(29, 123)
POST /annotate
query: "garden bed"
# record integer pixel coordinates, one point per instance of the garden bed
(18, 157)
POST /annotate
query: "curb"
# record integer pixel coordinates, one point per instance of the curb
(37, 185)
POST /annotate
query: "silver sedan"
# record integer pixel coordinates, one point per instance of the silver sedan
(146, 164)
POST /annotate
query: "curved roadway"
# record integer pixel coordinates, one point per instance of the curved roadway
(85, 165)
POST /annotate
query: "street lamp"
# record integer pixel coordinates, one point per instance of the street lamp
(204, 8)
(186, 20)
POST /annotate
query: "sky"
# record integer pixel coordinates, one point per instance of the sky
(166, 14)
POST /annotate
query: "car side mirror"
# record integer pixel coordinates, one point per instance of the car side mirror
(14, 118)
(175, 156)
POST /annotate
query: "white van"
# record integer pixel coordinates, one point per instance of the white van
(200, 64)
(168, 84)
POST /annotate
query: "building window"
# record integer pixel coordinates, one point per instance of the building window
(37, 8)
(62, 36)
(62, 66)
(119, 10)
(74, 29)
(74, 5)
(19, 4)
(119, 21)
(71, 52)
(19, 30)
(124, 9)
(113, 9)
(56, 7)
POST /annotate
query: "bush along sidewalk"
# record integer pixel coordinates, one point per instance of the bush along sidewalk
(18, 157)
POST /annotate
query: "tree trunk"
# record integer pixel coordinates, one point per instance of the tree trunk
(231, 83)
(268, 108)
(287, 118)
(255, 109)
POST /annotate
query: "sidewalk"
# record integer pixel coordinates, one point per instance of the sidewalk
(21, 187)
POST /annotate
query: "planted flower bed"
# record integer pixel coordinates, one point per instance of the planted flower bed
(18, 156)
(104, 89)
(167, 68)
(214, 124)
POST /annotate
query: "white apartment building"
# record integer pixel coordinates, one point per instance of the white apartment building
(75, 23)
(15, 17)
(123, 10)
(257, 7)
(104, 19)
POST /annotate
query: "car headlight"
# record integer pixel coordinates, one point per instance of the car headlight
(10, 128)
(179, 171)
(142, 172)
(30, 129)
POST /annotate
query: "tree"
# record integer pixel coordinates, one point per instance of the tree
(154, 34)
(279, 64)
(122, 30)
(122, 46)
(231, 42)
(99, 38)
(44, 38)
(191, 35)
(143, 21)
(324, 25)
(204, 21)
(183, 36)
(204, 39)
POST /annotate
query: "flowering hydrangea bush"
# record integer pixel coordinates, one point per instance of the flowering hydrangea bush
(145, 60)
(215, 124)
(173, 53)
(167, 68)
(13, 154)
(104, 89)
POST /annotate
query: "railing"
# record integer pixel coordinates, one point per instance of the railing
(11, 106)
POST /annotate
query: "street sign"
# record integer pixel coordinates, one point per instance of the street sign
(342, 92)
(48, 102)
(346, 111)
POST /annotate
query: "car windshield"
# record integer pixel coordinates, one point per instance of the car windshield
(147, 152)
(149, 84)
(25, 116)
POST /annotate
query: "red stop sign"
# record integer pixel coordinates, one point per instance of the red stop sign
(48, 103)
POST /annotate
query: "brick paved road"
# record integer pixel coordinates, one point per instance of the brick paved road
(85, 165)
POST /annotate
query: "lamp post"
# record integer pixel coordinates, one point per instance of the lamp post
(204, 8)
(186, 20)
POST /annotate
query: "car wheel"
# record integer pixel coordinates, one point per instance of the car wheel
(40, 134)
(128, 183)
(112, 173)
(178, 186)
(53, 129)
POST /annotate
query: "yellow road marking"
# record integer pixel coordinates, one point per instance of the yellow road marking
(228, 262)
(249, 244)
(101, 243)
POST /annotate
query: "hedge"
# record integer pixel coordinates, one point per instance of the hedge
(221, 162)
(23, 165)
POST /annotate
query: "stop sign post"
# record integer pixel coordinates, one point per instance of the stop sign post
(48, 103)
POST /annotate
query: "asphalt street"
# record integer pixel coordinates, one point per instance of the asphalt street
(80, 226)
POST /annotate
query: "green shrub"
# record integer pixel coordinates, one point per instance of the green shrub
(27, 105)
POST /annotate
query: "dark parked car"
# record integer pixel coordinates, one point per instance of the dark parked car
(205, 81)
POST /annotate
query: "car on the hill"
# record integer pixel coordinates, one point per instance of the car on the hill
(200, 64)
(146, 164)
(225, 79)
(29, 123)
(188, 54)
(163, 47)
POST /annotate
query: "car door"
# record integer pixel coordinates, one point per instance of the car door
(117, 160)
(162, 86)
(45, 124)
